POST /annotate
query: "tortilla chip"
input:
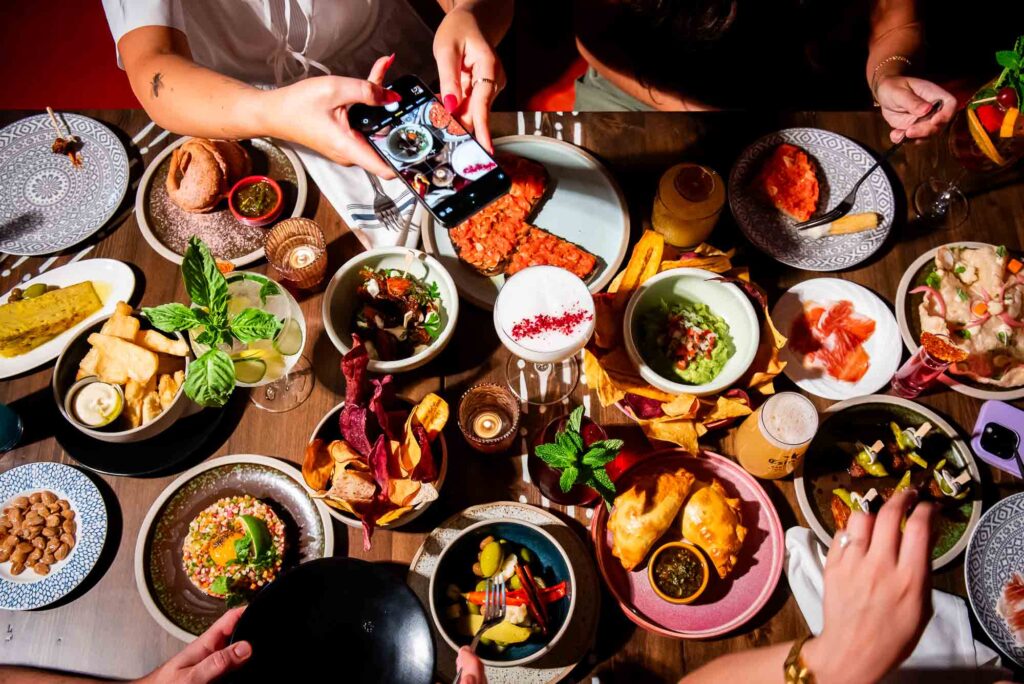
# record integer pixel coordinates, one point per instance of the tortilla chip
(317, 466)
(677, 431)
(681, 406)
(723, 408)
(643, 263)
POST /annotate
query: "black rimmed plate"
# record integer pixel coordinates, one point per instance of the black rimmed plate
(342, 618)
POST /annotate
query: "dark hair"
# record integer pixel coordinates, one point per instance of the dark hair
(691, 25)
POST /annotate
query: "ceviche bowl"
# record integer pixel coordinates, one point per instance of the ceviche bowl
(406, 280)
(698, 300)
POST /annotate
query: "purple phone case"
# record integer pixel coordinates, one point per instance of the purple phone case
(1008, 416)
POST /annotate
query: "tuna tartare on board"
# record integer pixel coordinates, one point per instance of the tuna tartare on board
(788, 180)
(233, 547)
(499, 240)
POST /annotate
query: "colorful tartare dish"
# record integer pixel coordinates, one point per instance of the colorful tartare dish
(234, 547)
(975, 296)
(685, 341)
(528, 596)
(398, 315)
(788, 181)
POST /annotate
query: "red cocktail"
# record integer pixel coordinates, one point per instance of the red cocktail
(546, 478)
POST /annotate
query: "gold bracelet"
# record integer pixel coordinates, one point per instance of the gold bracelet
(874, 74)
(794, 669)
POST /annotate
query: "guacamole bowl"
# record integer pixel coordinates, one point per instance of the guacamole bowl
(724, 338)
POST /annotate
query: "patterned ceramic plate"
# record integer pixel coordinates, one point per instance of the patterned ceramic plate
(995, 553)
(167, 228)
(883, 347)
(727, 604)
(46, 204)
(29, 590)
(577, 640)
(170, 597)
(840, 163)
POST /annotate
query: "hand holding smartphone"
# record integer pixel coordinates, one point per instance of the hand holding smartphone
(443, 165)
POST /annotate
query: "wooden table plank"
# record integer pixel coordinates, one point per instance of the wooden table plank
(106, 629)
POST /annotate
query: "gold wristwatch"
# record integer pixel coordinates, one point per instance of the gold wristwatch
(794, 669)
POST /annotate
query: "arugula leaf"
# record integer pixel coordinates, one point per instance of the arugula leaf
(575, 421)
(255, 324)
(432, 324)
(568, 478)
(555, 456)
(210, 379)
(205, 284)
(934, 280)
(172, 317)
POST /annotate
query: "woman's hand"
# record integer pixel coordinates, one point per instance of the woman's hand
(472, 669)
(877, 591)
(206, 658)
(470, 72)
(314, 113)
(903, 99)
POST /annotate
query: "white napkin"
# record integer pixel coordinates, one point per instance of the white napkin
(947, 640)
(349, 191)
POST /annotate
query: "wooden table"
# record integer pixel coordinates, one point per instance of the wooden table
(106, 630)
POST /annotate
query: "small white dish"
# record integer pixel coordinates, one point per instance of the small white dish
(340, 300)
(883, 347)
(114, 281)
(724, 299)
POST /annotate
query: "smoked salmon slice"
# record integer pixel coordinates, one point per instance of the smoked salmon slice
(1011, 606)
(831, 337)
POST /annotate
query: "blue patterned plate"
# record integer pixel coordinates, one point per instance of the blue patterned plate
(46, 204)
(995, 553)
(28, 590)
(840, 163)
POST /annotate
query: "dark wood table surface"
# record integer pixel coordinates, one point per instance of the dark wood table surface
(104, 628)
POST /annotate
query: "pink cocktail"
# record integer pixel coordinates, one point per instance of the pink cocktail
(931, 360)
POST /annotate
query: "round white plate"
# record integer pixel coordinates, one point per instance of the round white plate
(906, 311)
(29, 590)
(840, 163)
(284, 154)
(574, 644)
(994, 554)
(883, 347)
(584, 206)
(46, 203)
(114, 282)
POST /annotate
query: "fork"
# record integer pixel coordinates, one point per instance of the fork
(844, 207)
(384, 208)
(493, 611)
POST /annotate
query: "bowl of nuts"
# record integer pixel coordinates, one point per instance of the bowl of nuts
(53, 523)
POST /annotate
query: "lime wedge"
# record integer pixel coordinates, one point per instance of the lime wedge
(259, 533)
(250, 371)
(289, 338)
(238, 303)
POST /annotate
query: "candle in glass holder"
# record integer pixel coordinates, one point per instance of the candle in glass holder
(488, 417)
(298, 252)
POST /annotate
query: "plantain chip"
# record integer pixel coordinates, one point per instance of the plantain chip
(392, 515)
(432, 414)
(317, 466)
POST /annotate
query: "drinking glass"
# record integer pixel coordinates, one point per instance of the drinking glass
(919, 372)
(297, 250)
(772, 440)
(544, 315)
(489, 418)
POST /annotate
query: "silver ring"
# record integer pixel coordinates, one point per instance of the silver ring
(494, 84)
(844, 540)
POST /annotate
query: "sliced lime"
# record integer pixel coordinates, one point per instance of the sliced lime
(259, 533)
(238, 303)
(250, 371)
(289, 338)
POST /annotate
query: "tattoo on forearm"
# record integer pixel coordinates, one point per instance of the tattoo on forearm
(157, 83)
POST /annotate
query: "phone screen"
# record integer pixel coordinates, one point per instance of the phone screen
(438, 159)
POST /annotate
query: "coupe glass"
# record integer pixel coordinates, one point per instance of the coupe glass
(544, 316)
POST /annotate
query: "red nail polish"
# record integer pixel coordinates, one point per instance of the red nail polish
(391, 60)
(451, 103)
(391, 96)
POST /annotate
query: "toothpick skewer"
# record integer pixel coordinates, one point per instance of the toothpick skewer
(64, 143)
(54, 123)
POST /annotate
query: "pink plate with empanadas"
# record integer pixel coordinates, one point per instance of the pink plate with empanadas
(732, 521)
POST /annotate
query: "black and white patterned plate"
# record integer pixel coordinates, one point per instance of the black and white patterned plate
(28, 590)
(840, 163)
(995, 553)
(46, 203)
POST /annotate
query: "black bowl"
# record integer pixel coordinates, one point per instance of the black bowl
(341, 618)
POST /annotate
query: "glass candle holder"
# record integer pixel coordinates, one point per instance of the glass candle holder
(489, 417)
(297, 250)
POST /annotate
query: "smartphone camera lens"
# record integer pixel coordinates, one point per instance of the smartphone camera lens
(392, 106)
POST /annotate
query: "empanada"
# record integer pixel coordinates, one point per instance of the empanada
(712, 521)
(645, 511)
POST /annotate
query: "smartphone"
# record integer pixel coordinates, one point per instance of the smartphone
(443, 165)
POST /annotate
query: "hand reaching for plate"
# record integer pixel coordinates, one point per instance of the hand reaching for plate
(877, 594)
(207, 658)
(903, 99)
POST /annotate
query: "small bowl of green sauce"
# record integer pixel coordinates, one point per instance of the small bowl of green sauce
(678, 572)
(256, 200)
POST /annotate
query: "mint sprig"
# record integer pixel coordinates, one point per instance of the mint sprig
(580, 464)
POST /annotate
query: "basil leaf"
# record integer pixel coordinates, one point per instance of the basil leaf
(171, 317)
(568, 478)
(210, 379)
(204, 282)
(554, 456)
(255, 324)
(268, 289)
(575, 421)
